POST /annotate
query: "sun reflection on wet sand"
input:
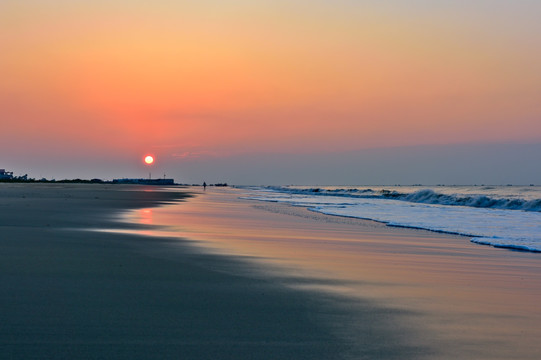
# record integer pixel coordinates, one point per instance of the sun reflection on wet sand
(145, 216)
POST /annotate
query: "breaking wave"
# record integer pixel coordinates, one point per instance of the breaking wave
(425, 196)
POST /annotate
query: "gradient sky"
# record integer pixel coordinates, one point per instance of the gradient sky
(87, 88)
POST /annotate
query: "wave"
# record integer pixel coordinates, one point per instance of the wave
(425, 196)
(428, 196)
(501, 227)
(506, 244)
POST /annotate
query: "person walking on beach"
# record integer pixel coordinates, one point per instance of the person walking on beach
(204, 185)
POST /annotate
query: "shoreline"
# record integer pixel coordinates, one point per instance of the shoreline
(433, 283)
(237, 278)
(68, 293)
(470, 238)
(494, 216)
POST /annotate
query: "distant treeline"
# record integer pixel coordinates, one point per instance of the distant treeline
(22, 179)
(77, 181)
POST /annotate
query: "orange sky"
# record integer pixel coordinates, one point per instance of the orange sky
(120, 78)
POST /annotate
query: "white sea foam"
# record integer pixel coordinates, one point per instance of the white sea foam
(481, 197)
(515, 229)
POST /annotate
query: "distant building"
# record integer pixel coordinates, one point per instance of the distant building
(145, 181)
(6, 175)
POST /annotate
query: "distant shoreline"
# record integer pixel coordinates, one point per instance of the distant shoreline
(122, 181)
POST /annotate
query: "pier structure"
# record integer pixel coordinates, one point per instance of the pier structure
(145, 181)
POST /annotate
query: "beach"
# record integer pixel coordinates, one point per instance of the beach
(118, 271)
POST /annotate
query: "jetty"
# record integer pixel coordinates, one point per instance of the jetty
(145, 181)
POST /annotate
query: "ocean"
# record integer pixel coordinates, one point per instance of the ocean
(499, 216)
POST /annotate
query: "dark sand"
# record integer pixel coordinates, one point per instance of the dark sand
(71, 294)
(291, 285)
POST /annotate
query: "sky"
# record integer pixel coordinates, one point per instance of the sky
(271, 92)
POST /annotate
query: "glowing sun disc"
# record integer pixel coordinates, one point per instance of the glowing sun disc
(149, 159)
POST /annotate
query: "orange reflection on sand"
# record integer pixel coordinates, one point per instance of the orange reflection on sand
(144, 216)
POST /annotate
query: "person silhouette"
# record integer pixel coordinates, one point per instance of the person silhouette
(204, 185)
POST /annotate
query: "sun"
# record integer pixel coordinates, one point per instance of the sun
(149, 159)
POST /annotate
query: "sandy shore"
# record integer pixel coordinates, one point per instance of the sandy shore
(229, 278)
(72, 294)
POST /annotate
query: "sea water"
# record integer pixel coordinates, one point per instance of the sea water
(501, 216)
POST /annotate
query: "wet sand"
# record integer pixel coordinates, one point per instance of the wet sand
(427, 294)
(70, 293)
(229, 278)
